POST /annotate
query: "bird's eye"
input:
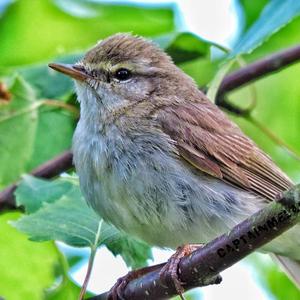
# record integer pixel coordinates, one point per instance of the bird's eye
(122, 74)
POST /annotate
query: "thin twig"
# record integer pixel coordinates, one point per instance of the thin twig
(59, 104)
(251, 87)
(273, 137)
(33, 107)
(90, 263)
(203, 266)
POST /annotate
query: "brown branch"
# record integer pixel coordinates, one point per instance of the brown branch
(260, 68)
(49, 169)
(252, 72)
(232, 81)
(204, 265)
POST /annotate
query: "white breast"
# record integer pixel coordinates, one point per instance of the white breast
(136, 182)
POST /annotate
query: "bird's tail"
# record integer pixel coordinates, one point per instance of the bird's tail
(290, 266)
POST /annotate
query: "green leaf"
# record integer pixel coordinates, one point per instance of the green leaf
(53, 135)
(33, 192)
(251, 11)
(60, 30)
(47, 82)
(274, 16)
(135, 253)
(26, 267)
(219, 76)
(68, 219)
(18, 123)
(273, 278)
(288, 36)
(74, 260)
(23, 124)
(202, 70)
(67, 290)
(183, 47)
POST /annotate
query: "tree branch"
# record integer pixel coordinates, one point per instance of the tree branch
(203, 266)
(266, 66)
(232, 81)
(256, 70)
(49, 169)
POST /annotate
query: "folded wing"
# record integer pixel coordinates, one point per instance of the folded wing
(209, 141)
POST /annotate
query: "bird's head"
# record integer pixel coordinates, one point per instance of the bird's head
(123, 69)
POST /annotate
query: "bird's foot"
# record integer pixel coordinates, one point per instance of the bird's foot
(171, 269)
(116, 292)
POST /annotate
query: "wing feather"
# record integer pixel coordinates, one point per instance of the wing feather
(208, 140)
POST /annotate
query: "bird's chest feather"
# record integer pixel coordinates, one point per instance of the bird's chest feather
(121, 175)
(136, 182)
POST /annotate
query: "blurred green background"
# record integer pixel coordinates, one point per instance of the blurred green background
(38, 109)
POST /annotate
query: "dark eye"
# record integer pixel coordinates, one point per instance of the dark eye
(122, 74)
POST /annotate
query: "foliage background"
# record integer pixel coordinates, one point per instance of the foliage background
(37, 123)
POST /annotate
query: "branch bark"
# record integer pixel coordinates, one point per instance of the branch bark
(232, 81)
(49, 169)
(203, 266)
(255, 71)
(260, 68)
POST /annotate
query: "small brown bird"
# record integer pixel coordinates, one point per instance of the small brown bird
(158, 160)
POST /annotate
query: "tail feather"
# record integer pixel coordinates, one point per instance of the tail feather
(290, 266)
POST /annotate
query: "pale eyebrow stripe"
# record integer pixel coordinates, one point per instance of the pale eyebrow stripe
(107, 67)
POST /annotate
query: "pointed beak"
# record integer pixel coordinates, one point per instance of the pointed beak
(73, 71)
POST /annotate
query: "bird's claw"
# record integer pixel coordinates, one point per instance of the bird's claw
(171, 268)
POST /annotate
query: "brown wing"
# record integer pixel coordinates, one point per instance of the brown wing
(208, 140)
